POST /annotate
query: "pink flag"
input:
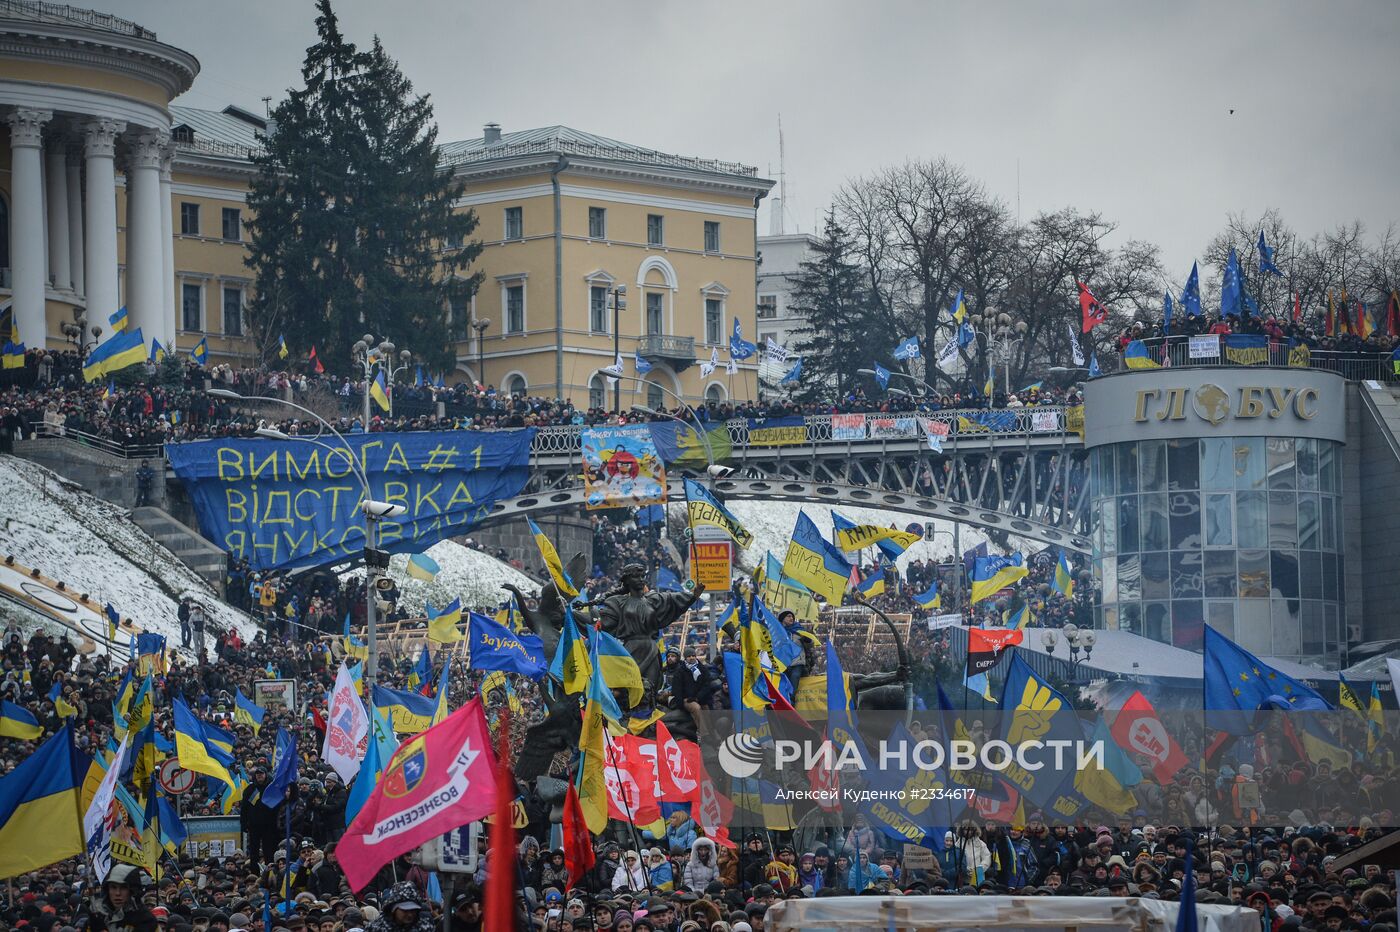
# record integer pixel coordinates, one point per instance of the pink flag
(435, 782)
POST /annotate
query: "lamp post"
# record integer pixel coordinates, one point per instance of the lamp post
(480, 325)
(375, 560)
(405, 356)
(76, 332)
(1001, 334)
(369, 357)
(1078, 639)
(617, 297)
(902, 375)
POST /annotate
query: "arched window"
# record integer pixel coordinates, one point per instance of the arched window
(597, 392)
(656, 398)
(714, 394)
(515, 384)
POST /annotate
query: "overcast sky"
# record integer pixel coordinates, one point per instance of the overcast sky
(1120, 107)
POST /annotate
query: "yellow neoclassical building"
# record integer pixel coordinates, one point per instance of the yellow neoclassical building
(114, 197)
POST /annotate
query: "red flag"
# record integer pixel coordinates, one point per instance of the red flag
(678, 784)
(630, 775)
(318, 721)
(578, 844)
(1392, 315)
(498, 908)
(1094, 312)
(435, 782)
(985, 647)
(1297, 307)
(1000, 804)
(710, 808)
(1137, 729)
(315, 361)
(1331, 317)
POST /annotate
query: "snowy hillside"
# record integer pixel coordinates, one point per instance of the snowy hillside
(93, 546)
(468, 574)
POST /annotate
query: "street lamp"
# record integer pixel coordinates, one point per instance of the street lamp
(1000, 336)
(617, 296)
(480, 325)
(901, 375)
(405, 356)
(373, 511)
(369, 356)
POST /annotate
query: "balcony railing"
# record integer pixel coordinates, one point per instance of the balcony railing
(667, 346)
(1179, 351)
(61, 13)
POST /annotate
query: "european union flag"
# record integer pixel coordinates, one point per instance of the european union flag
(1235, 679)
(667, 580)
(1231, 287)
(1166, 312)
(882, 375)
(1266, 257)
(284, 769)
(908, 348)
(739, 348)
(495, 647)
(1191, 296)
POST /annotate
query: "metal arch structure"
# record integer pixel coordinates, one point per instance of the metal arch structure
(1028, 480)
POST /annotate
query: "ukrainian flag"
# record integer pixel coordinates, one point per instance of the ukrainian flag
(247, 711)
(233, 793)
(13, 355)
(931, 598)
(157, 351)
(421, 566)
(959, 308)
(851, 537)
(172, 830)
(219, 743)
(873, 584)
(355, 649)
(118, 320)
(728, 618)
(614, 666)
(815, 562)
(377, 391)
(702, 508)
(551, 561)
(192, 745)
(124, 349)
(422, 670)
(1136, 356)
(410, 712)
(39, 821)
(1017, 618)
(442, 626)
(1348, 698)
(1375, 719)
(17, 722)
(282, 347)
(589, 781)
(1064, 578)
(992, 574)
(200, 353)
(440, 700)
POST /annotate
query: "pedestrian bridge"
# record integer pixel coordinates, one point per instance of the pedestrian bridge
(1018, 471)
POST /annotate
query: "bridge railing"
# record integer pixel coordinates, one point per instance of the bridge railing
(1227, 352)
(873, 427)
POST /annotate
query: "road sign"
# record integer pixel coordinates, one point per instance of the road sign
(455, 852)
(709, 563)
(174, 779)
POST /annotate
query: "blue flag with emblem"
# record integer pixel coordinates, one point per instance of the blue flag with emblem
(1235, 679)
(908, 348)
(643, 367)
(739, 348)
(493, 646)
(1232, 288)
(882, 376)
(794, 374)
(1266, 257)
(1094, 370)
(284, 769)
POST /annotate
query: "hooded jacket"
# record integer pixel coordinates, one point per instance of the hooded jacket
(698, 876)
(397, 894)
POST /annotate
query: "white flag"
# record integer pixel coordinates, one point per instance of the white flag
(776, 352)
(732, 368)
(615, 369)
(347, 728)
(707, 367)
(935, 432)
(1074, 345)
(97, 821)
(948, 353)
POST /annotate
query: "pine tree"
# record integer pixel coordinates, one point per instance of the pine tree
(353, 227)
(836, 332)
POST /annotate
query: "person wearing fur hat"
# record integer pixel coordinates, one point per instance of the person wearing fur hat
(403, 911)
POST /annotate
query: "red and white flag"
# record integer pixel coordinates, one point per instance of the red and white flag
(435, 782)
(347, 728)
(678, 784)
(1137, 729)
(1094, 312)
(630, 775)
(709, 807)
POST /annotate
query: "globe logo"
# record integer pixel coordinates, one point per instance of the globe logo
(1211, 402)
(740, 755)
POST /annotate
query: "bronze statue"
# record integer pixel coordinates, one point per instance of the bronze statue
(637, 617)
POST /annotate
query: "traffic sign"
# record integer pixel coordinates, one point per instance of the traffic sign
(709, 563)
(173, 778)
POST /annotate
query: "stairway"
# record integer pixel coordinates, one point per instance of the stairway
(189, 547)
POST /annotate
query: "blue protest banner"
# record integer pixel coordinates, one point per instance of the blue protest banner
(288, 504)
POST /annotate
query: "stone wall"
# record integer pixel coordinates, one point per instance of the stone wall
(571, 532)
(108, 477)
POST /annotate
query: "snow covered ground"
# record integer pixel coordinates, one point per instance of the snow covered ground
(93, 546)
(468, 574)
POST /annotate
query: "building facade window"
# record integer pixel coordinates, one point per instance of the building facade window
(191, 307)
(233, 224)
(189, 219)
(597, 392)
(714, 394)
(712, 236)
(515, 223)
(233, 311)
(598, 309)
(597, 223)
(656, 318)
(515, 384)
(656, 398)
(515, 308)
(714, 320)
(656, 230)
(767, 306)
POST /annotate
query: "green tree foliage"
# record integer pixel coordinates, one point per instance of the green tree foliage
(353, 227)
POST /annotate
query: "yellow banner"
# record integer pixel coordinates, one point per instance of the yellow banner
(1074, 420)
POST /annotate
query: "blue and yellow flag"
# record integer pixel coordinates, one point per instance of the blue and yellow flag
(562, 582)
(421, 566)
(172, 830)
(282, 350)
(598, 696)
(247, 711)
(851, 537)
(1348, 698)
(992, 574)
(702, 508)
(930, 597)
(443, 626)
(614, 666)
(873, 584)
(17, 722)
(192, 745)
(150, 653)
(496, 647)
(1018, 617)
(39, 807)
(815, 562)
(571, 665)
(12, 355)
(124, 349)
(200, 353)
(440, 699)
(422, 670)
(1137, 356)
(1375, 719)
(1064, 577)
(379, 392)
(410, 713)
(118, 320)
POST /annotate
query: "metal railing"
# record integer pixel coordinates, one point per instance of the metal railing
(1353, 366)
(62, 13)
(667, 345)
(132, 451)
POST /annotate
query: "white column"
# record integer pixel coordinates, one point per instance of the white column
(28, 264)
(56, 183)
(167, 246)
(75, 220)
(144, 256)
(100, 220)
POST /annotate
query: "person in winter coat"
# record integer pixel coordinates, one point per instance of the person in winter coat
(1013, 861)
(631, 875)
(661, 875)
(865, 874)
(680, 831)
(703, 867)
(861, 837)
(402, 911)
(118, 902)
(553, 873)
(530, 864)
(974, 858)
(807, 873)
